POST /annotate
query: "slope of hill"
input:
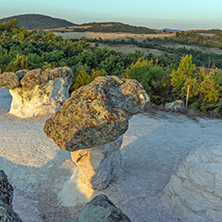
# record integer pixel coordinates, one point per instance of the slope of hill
(36, 21)
(116, 27)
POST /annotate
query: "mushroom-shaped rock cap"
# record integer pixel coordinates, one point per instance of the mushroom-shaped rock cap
(27, 79)
(97, 113)
(9, 80)
(38, 77)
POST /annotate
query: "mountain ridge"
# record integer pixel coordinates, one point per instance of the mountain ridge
(38, 21)
(44, 22)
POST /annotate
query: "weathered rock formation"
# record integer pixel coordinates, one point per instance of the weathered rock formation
(92, 120)
(101, 209)
(98, 165)
(176, 106)
(195, 189)
(36, 92)
(7, 213)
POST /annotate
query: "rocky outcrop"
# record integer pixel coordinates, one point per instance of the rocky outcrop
(195, 189)
(92, 121)
(7, 213)
(36, 92)
(101, 209)
(176, 106)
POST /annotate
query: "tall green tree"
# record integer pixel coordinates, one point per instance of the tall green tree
(184, 75)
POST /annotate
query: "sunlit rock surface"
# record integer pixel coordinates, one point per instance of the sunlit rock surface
(36, 92)
(195, 189)
(98, 165)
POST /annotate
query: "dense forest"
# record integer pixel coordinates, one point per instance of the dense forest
(173, 53)
(164, 78)
(36, 21)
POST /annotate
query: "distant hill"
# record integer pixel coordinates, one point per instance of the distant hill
(36, 21)
(171, 30)
(113, 27)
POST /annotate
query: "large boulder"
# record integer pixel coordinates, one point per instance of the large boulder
(97, 113)
(7, 213)
(90, 125)
(101, 209)
(36, 92)
(195, 189)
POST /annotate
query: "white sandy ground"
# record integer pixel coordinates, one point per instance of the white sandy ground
(45, 178)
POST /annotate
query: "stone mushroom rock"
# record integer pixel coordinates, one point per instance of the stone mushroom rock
(37, 92)
(7, 213)
(91, 122)
(101, 209)
(195, 189)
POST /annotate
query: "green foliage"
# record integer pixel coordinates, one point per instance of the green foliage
(203, 84)
(20, 62)
(171, 54)
(146, 72)
(83, 77)
(195, 38)
(184, 75)
(165, 78)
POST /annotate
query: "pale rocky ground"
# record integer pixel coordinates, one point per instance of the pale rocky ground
(45, 178)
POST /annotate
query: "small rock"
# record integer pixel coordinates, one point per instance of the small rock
(176, 106)
(101, 209)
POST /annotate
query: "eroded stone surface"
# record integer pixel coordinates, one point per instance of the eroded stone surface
(195, 189)
(98, 165)
(7, 213)
(97, 113)
(36, 92)
(101, 209)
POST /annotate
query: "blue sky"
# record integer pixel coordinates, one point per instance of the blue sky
(178, 14)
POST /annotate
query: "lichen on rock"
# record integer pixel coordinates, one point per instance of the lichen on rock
(97, 113)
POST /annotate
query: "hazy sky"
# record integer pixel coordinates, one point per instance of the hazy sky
(178, 14)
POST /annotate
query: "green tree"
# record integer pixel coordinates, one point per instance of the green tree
(20, 62)
(184, 75)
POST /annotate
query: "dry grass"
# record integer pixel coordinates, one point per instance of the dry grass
(94, 35)
(126, 49)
